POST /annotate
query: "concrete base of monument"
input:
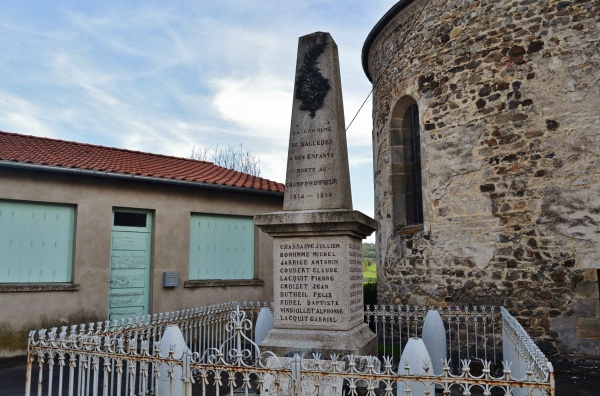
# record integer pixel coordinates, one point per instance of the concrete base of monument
(316, 222)
(286, 342)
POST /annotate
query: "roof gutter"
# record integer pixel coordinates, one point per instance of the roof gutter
(378, 28)
(122, 176)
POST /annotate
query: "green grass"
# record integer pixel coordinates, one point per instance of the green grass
(370, 273)
(390, 350)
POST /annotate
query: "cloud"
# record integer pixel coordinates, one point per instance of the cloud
(165, 76)
(261, 109)
(261, 105)
(22, 116)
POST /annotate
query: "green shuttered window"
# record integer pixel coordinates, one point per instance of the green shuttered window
(36, 242)
(221, 247)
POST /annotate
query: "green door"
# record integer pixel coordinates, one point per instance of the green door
(131, 246)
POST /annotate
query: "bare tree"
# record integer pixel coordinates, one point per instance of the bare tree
(239, 159)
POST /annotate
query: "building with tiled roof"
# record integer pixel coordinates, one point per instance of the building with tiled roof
(90, 233)
(23, 151)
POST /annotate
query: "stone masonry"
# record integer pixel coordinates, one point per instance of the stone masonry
(508, 93)
(317, 238)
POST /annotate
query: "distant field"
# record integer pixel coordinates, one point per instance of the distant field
(370, 273)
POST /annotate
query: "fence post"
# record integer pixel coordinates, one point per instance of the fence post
(174, 350)
(29, 371)
(297, 381)
(415, 360)
(187, 374)
(434, 337)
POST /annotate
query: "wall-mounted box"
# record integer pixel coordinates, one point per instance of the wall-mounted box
(170, 279)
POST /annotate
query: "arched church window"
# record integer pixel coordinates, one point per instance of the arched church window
(406, 183)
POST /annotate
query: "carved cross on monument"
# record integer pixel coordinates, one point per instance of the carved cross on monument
(317, 276)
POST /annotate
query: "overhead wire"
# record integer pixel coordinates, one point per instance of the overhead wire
(390, 62)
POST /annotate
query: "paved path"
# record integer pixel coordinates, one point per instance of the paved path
(12, 380)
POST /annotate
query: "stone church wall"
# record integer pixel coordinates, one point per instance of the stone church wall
(509, 107)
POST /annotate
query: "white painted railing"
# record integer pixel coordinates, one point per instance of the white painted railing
(471, 332)
(121, 356)
(527, 360)
(126, 359)
(202, 327)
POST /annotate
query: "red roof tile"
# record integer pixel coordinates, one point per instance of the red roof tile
(60, 153)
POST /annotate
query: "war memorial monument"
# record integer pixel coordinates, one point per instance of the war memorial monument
(318, 282)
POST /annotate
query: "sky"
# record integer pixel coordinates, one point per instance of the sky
(166, 76)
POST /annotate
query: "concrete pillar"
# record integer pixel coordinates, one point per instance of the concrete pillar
(172, 339)
(416, 356)
(434, 337)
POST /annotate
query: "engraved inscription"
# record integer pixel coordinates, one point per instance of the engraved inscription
(319, 283)
(356, 279)
(310, 156)
(327, 182)
(307, 276)
(310, 165)
(310, 130)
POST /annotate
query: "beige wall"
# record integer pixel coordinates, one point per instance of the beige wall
(95, 199)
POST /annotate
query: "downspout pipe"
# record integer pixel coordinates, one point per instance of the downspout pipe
(122, 176)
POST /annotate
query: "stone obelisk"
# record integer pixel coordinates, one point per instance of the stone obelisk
(318, 292)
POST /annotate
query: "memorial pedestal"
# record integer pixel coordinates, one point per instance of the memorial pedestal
(318, 282)
(358, 341)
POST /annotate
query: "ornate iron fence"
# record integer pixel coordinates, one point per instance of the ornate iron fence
(471, 332)
(128, 358)
(121, 356)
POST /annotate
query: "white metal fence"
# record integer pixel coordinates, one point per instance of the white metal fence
(125, 358)
(471, 332)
